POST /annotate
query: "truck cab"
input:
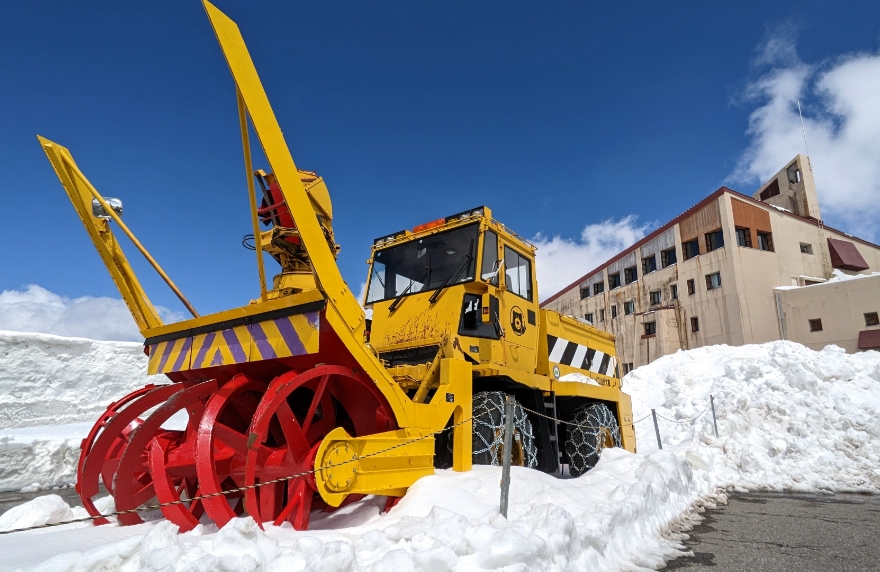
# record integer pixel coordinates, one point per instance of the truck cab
(466, 277)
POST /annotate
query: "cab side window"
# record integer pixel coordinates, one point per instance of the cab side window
(518, 273)
(490, 258)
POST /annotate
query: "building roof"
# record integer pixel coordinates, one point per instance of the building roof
(686, 214)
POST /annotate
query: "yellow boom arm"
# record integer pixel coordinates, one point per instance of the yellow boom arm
(81, 193)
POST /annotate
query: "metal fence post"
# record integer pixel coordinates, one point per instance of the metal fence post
(508, 446)
(714, 421)
(656, 429)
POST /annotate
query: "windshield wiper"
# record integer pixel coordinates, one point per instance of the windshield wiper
(406, 290)
(462, 264)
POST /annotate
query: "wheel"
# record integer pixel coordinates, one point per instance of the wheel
(305, 406)
(103, 447)
(596, 429)
(146, 451)
(221, 447)
(488, 432)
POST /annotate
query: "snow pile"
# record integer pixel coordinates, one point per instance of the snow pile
(621, 515)
(579, 378)
(841, 276)
(837, 276)
(49, 509)
(789, 418)
(51, 380)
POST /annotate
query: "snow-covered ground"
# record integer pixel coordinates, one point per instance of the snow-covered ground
(788, 418)
(623, 515)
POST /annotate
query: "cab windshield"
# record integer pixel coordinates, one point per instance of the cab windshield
(425, 264)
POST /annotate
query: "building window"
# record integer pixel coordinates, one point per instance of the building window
(598, 287)
(765, 241)
(714, 240)
(655, 297)
(614, 281)
(871, 319)
(650, 328)
(794, 174)
(649, 264)
(630, 275)
(667, 257)
(601, 314)
(614, 311)
(627, 367)
(744, 237)
(816, 325)
(629, 308)
(585, 292)
(771, 191)
(692, 288)
(589, 317)
(713, 281)
(806, 248)
(673, 289)
(690, 248)
(695, 324)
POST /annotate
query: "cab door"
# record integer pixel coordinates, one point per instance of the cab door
(519, 309)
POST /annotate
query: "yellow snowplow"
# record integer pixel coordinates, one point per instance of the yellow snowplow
(297, 401)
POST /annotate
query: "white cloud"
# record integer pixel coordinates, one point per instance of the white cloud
(35, 309)
(841, 104)
(563, 260)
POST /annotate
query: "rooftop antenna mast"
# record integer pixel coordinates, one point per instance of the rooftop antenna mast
(804, 131)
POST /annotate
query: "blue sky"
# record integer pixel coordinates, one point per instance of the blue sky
(556, 117)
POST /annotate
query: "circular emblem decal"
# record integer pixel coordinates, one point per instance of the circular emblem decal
(556, 371)
(517, 321)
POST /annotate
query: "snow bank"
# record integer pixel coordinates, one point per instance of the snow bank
(49, 509)
(36, 458)
(51, 380)
(621, 515)
(789, 418)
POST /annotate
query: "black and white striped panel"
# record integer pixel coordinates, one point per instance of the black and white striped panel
(575, 355)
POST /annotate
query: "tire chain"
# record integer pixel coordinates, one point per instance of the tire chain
(484, 403)
(585, 439)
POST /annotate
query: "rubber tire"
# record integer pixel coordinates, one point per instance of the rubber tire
(584, 445)
(488, 426)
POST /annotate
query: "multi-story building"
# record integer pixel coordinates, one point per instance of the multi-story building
(735, 270)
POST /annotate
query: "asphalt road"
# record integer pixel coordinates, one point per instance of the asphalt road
(771, 532)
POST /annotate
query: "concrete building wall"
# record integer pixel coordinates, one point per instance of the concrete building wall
(744, 309)
(792, 188)
(841, 306)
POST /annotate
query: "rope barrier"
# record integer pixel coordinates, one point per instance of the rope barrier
(691, 420)
(241, 489)
(314, 471)
(550, 417)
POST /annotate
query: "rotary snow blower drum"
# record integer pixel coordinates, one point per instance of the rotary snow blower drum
(296, 402)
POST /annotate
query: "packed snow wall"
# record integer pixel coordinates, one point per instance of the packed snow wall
(789, 418)
(52, 380)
